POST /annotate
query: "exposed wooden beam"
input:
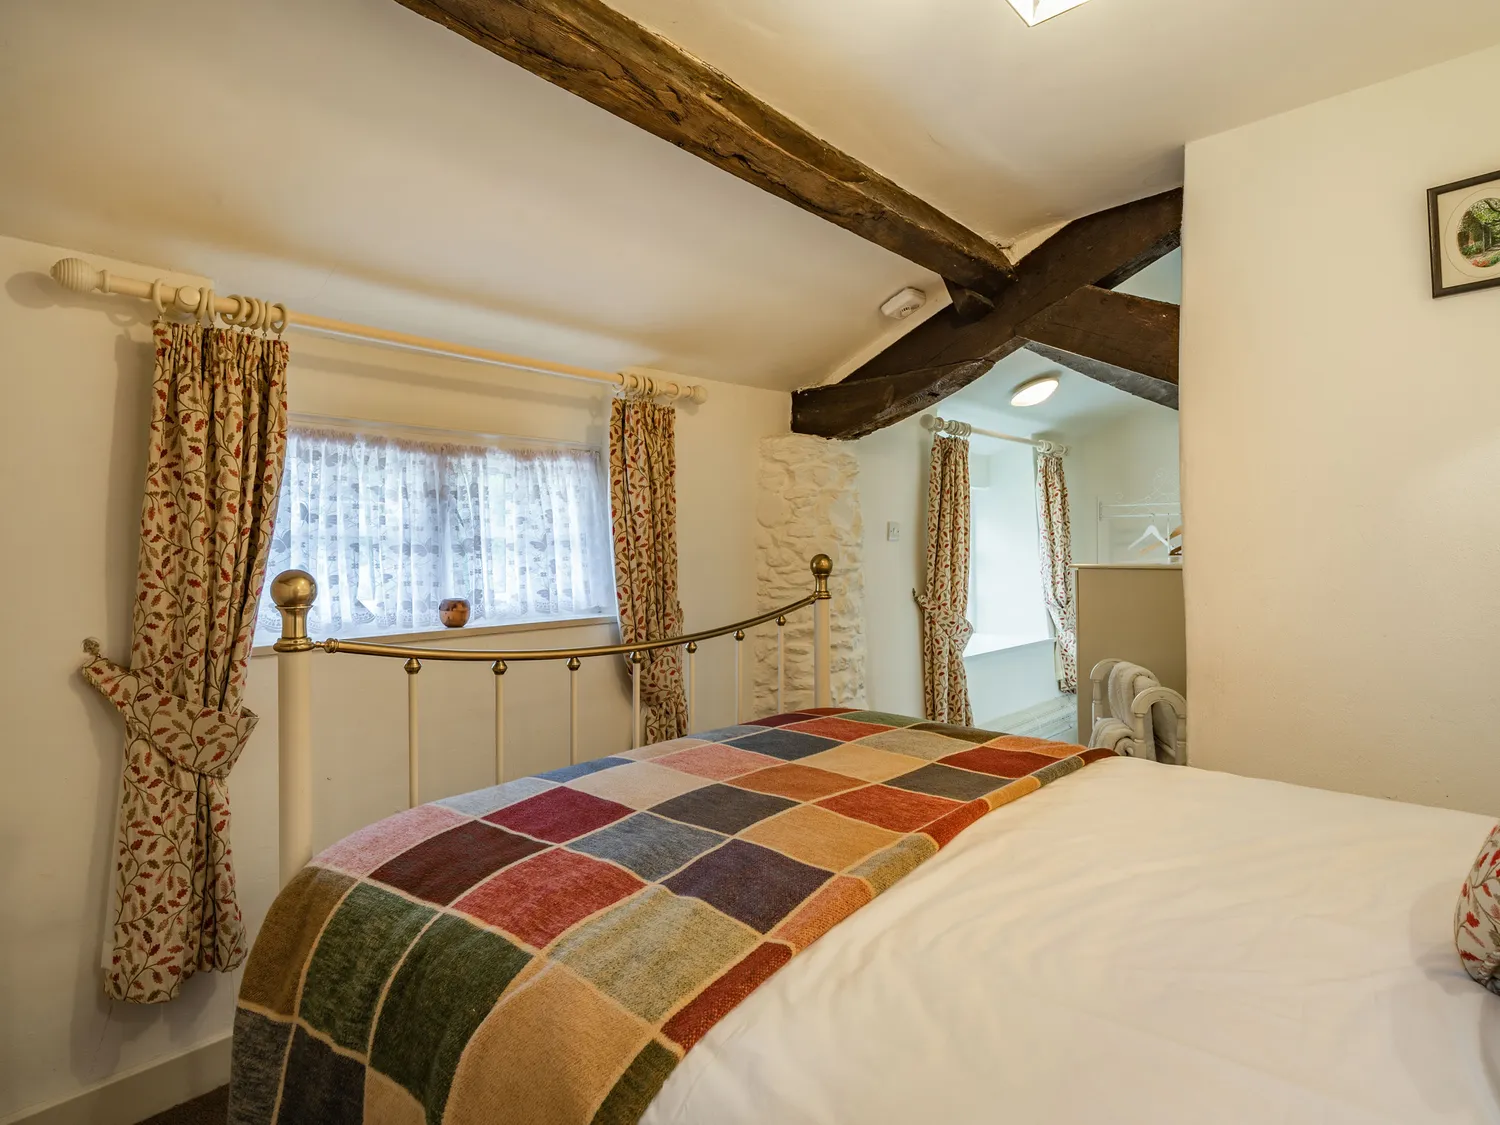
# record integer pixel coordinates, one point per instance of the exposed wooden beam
(1131, 382)
(1080, 254)
(1128, 342)
(946, 353)
(595, 52)
(852, 409)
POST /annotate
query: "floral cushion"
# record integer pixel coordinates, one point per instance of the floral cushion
(1476, 924)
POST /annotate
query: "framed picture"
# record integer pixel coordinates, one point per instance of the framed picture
(1464, 224)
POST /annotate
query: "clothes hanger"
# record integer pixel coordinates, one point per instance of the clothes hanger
(1151, 533)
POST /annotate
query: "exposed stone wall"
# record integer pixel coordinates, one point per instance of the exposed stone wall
(808, 503)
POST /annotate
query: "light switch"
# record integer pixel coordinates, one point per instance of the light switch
(893, 532)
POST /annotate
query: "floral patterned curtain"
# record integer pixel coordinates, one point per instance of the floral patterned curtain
(643, 508)
(217, 440)
(1057, 560)
(945, 602)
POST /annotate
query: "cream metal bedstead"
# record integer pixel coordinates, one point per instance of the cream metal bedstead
(295, 591)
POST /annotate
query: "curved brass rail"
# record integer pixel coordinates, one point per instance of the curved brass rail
(359, 648)
(293, 591)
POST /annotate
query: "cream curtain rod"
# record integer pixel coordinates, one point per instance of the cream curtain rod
(963, 429)
(251, 312)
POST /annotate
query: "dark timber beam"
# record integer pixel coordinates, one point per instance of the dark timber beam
(1128, 342)
(598, 54)
(948, 352)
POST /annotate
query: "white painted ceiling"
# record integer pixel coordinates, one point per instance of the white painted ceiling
(355, 160)
(1079, 404)
(1010, 128)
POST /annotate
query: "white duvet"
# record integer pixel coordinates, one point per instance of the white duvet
(1134, 943)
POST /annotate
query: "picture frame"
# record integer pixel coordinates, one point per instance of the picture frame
(1463, 222)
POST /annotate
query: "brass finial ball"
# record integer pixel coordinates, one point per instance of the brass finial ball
(822, 566)
(293, 589)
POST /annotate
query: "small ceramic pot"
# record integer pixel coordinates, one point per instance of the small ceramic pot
(454, 612)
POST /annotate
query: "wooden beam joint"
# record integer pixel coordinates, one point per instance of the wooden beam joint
(1052, 302)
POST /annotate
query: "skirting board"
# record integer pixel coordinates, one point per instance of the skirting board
(135, 1096)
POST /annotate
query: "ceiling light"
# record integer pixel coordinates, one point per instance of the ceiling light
(1035, 11)
(1034, 391)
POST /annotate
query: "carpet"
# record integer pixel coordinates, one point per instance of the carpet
(211, 1108)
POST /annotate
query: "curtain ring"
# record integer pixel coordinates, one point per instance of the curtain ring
(156, 297)
(243, 312)
(206, 307)
(276, 324)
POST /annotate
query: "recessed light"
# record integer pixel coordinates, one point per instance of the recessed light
(1035, 11)
(1034, 391)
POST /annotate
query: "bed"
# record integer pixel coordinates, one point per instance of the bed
(1137, 943)
(1132, 942)
(832, 915)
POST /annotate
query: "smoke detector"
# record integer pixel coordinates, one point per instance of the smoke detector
(904, 303)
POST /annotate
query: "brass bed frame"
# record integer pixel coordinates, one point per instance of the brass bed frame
(295, 592)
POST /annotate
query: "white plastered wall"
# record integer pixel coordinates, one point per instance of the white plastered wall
(72, 454)
(893, 488)
(808, 504)
(1341, 449)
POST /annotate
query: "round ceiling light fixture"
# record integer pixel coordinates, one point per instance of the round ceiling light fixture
(1033, 392)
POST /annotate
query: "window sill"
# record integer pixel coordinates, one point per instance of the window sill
(982, 643)
(477, 631)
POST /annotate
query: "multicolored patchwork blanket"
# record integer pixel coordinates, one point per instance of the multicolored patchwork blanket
(547, 950)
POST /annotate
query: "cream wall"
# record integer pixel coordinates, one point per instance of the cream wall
(1011, 679)
(1341, 449)
(77, 373)
(893, 488)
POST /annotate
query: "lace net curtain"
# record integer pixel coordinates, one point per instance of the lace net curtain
(390, 526)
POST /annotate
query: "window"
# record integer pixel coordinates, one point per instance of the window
(390, 525)
(1005, 585)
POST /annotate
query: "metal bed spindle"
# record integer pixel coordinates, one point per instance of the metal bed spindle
(295, 592)
(635, 700)
(739, 678)
(780, 661)
(573, 665)
(499, 668)
(413, 727)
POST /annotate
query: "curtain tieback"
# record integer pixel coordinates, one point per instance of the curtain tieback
(946, 623)
(197, 738)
